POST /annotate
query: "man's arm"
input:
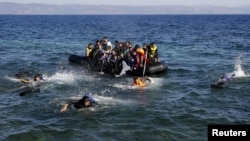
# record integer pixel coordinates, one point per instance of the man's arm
(65, 106)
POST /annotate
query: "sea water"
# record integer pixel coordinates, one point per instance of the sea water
(179, 105)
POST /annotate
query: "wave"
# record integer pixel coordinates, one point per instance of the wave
(103, 102)
(62, 78)
(155, 82)
(238, 71)
(12, 79)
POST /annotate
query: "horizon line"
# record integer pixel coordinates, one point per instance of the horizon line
(129, 5)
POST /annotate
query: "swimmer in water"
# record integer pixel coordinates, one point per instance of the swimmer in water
(37, 77)
(140, 82)
(85, 102)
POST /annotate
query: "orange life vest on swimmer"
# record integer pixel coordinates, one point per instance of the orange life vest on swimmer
(139, 82)
(140, 51)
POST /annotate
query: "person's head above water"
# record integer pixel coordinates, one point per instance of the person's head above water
(86, 101)
(138, 82)
(38, 77)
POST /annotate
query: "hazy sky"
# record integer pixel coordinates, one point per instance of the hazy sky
(231, 3)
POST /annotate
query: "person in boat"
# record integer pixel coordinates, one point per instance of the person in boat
(89, 49)
(106, 43)
(153, 53)
(140, 56)
(94, 51)
(140, 82)
(37, 77)
(117, 48)
(86, 102)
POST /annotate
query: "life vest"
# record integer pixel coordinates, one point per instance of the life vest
(139, 82)
(88, 50)
(140, 51)
(153, 49)
(25, 81)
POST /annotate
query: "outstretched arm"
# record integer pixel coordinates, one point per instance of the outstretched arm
(65, 106)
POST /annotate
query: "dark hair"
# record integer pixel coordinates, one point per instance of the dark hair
(37, 75)
(84, 99)
(136, 78)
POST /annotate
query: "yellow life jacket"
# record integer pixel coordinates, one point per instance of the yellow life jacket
(25, 81)
(88, 50)
(153, 49)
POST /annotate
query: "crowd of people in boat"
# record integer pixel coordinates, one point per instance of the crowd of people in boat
(104, 54)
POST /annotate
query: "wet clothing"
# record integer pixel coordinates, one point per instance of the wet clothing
(227, 77)
(140, 51)
(80, 103)
(153, 53)
(139, 82)
(87, 52)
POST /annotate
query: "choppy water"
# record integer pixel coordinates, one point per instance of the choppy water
(177, 106)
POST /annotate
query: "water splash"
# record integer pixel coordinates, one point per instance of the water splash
(238, 71)
(104, 100)
(62, 78)
(155, 82)
(12, 79)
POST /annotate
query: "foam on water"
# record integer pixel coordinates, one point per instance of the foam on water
(110, 100)
(238, 71)
(62, 78)
(102, 101)
(12, 79)
(155, 82)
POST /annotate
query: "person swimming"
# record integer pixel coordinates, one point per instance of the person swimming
(33, 88)
(221, 83)
(140, 82)
(86, 102)
(226, 78)
(37, 77)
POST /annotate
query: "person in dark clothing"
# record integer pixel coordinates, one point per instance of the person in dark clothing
(85, 102)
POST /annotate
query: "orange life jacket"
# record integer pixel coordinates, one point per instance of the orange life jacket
(139, 82)
(140, 51)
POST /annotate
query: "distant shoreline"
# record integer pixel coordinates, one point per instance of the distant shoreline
(7, 8)
(125, 15)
